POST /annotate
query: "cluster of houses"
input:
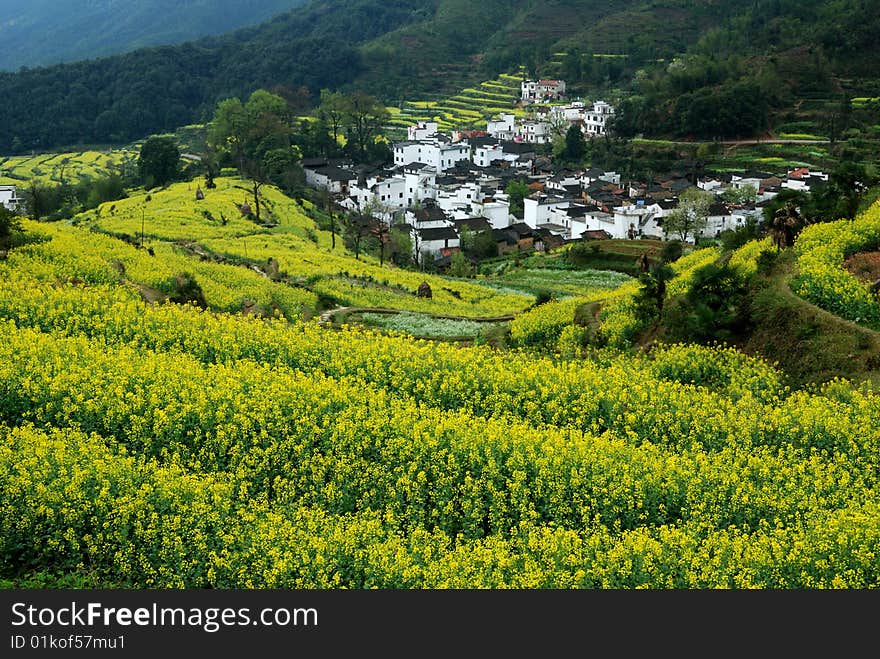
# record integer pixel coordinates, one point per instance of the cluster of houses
(545, 122)
(440, 185)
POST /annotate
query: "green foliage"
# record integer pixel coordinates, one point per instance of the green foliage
(517, 191)
(55, 202)
(478, 244)
(159, 161)
(575, 145)
(744, 195)
(732, 239)
(688, 220)
(180, 85)
(671, 252)
(460, 266)
(256, 138)
(186, 290)
(9, 224)
(45, 33)
(712, 309)
(649, 299)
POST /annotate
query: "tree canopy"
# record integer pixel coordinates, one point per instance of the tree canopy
(159, 161)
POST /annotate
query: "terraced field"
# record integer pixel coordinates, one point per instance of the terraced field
(65, 167)
(467, 110)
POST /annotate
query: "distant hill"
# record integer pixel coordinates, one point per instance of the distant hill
(44, 32)
(701, 69)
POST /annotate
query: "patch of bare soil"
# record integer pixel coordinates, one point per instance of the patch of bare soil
(864, 265)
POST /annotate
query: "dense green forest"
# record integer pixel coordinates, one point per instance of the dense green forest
(44, 32)
(118, 99)
(776, 60)
(679, 69)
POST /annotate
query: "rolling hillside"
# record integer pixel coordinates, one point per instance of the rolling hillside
(689, 69)
(44, 32)
(150, 443)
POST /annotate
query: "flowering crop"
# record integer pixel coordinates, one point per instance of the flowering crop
(821, 250)
(165, 446)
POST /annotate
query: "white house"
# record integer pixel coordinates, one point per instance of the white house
(386, 196)
(497, 211)
(430, 242)
(421, 182)
(503, 128)
(486, 155)
(459, 197)
(9, 197)
(534, 132)
(542, 90)
(422, 130)
(538, 210)
(334, 179)
(438, 154)
(596, 118)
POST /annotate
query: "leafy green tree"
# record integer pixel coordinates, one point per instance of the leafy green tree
(333, 111)
(517, 191)
(459, 265)
(159, 161)
(691, 216)
(400, 246)
(575, 145)
(712, 309)
(9, 224)
(256, 137)
(651, 297)
(364, 117)
(744, 195)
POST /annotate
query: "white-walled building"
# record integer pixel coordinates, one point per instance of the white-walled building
(385, 196)
(596, 117)
(9, 197)
(421, 182)
(334, 179)
(422, 130)
(533, 91)
(503, 128)
(438, 154)
(431, 242)
(538, 210)
(484, 156)
(534, 132)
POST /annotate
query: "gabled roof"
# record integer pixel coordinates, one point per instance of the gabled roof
(504, 236)
(522, 229)
(473, 224)
(440, 233)
(337, 173)
(416, 167)
(314, 163)
(595, 234)
(429, 213)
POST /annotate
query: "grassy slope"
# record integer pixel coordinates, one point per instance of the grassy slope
(809, 344)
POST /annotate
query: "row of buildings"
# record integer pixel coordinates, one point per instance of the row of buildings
(439, 184)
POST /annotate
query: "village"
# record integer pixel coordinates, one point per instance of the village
(442, 184)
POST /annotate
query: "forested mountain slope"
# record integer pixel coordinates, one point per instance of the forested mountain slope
(704, 69)
(43, 32)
